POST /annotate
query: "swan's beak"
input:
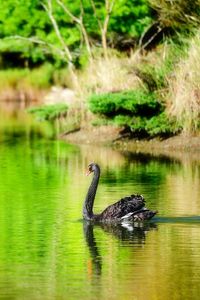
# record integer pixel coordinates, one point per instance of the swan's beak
(88, 172)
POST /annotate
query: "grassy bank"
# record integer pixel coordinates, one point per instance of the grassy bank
(148, 94)
(163, 97)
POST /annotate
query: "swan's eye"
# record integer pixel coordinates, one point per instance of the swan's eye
(90, 167)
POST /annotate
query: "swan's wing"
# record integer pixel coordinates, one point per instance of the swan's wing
(140, 215)
(126, 205)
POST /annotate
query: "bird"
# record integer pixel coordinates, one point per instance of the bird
(129, 208)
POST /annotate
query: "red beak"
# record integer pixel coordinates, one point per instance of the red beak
(87, 172)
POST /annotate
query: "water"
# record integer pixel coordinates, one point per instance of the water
(48, 252)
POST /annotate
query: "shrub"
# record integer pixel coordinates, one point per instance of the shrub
(162, 125)
(138, 126)
(49, 112)
(125, 103)
(159, 125)
(137, 111)
(122, 120)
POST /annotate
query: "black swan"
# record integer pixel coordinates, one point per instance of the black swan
(131, 208)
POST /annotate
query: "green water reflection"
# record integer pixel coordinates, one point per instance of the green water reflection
(48, 252)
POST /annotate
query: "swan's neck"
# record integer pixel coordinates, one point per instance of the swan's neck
(89, 200)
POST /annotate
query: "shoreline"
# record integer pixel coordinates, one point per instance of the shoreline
(110, 136)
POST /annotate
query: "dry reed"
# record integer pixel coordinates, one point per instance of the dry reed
(185, 89)
(109, 75)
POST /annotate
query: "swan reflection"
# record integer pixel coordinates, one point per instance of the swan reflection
(130, 233)
(96, 259)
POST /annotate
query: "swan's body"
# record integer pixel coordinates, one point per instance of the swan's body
(128, 208)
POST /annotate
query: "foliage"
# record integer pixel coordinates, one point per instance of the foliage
(122, 120)
(138, 126)
(49, 112)
(158, 125)
(28, 19)
(162, 125)
(139, 111)
(130, 17)
(127, 102)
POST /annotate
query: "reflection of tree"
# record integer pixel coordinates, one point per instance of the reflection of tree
(152, 169)
(127, 232)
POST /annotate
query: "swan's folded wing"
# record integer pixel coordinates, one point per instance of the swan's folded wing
(123, 207)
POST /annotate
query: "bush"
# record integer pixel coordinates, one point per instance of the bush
(122, 120)
(125, 103)
(159, 125)
(49, 112)
(162, 125)
(138, 126)
(137, 111)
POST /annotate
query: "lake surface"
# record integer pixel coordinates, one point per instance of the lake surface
(48, 252)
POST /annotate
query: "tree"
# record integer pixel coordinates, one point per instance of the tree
(62, 30)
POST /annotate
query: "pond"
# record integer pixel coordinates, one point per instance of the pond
(48, 252)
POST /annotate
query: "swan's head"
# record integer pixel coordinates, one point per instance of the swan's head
(92, 167)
